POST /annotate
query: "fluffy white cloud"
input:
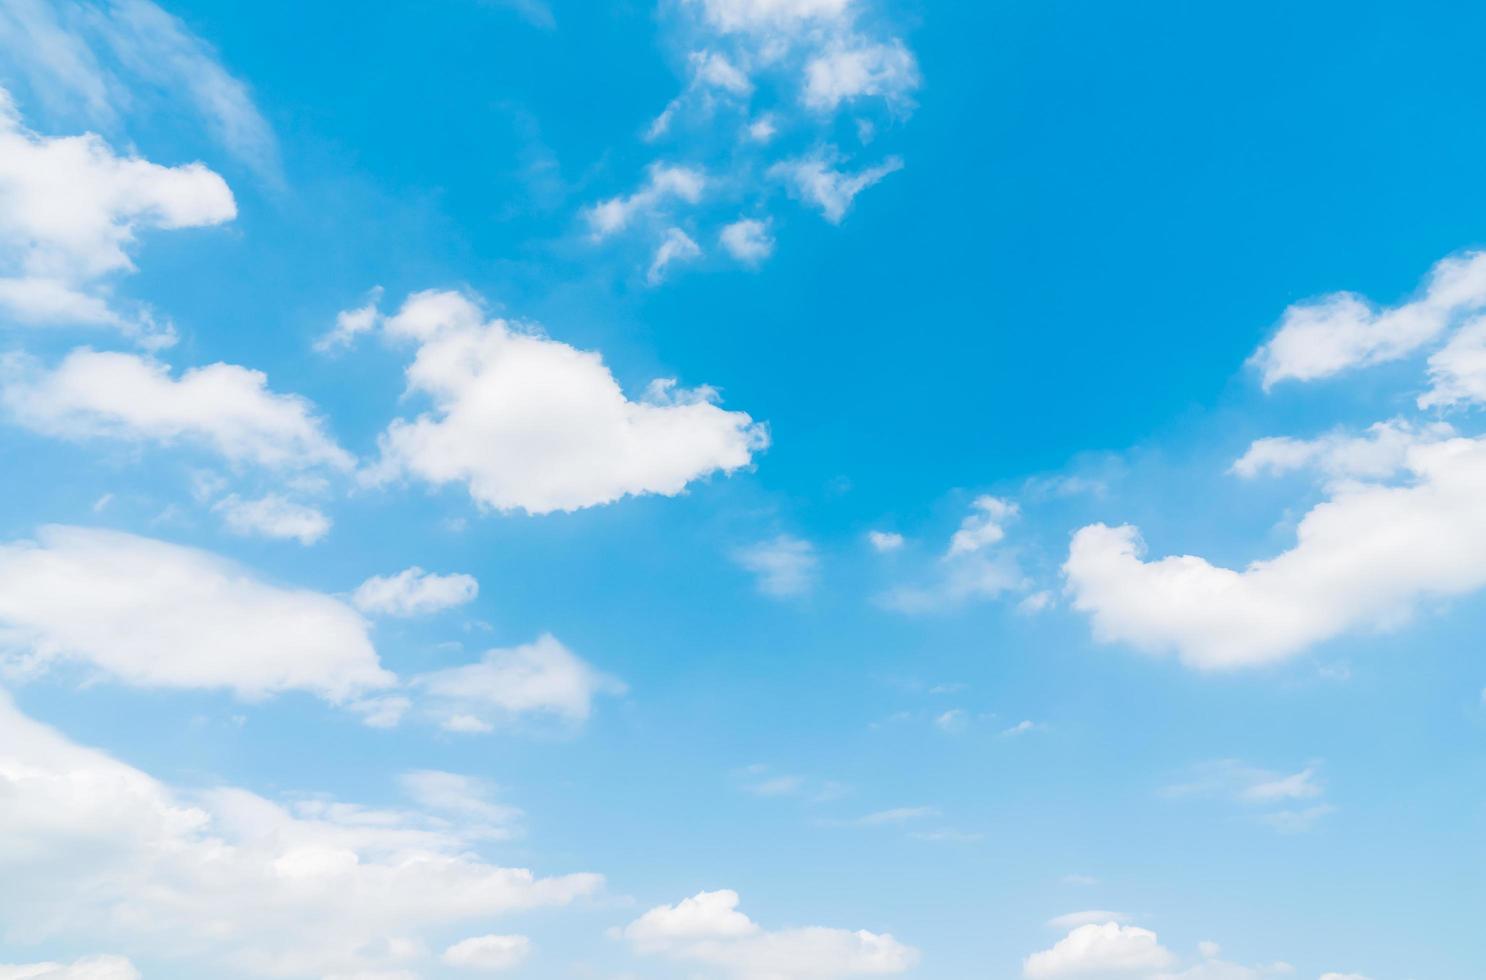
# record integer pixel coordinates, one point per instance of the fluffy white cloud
(853, 70)
(489, 953)
(542, 677)
(663, 185)
(273, 516)
(1343, 330)
(676, 246)
(985, 526)
(1100, 951)
(529, 423)
(747, 240)
(414, 592)
(154, 614)
(1458, 370)
(815, 179)
(87, 968)
(1379, 454)
(223, 407)
(70, 211)
(883, 541)
(708, 929)
(1362, 558)
(785, 565)
(229, 881)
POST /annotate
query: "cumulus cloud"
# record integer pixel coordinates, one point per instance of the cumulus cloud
(153, 614)
(747, 240)
(542, 678)
(1457, 371)
(1378, 454)
(273, 516)
(414, 592)
(815, 179)
(1339, 331)
(529, 423)
(231, 882)
(224, 408)
(489, 953)
(708, 929)
(1092, 917)
(1362, 559)
(70, 213)
(785, 565)
(1099, 951)
(884, 541)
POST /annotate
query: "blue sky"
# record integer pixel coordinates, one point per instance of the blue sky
(764, 489)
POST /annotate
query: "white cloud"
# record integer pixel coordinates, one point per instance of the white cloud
(747, 240)
(97, 62)
(1021, 728)
(772, 15)
(351, 324)
(785, 565)
(708, 929)
(153, 614)
(273, 516)
(222, 407)
(489, 953)
(414, 592)
(1379, 454)
(1276, 796)
(715, 70)
(815, 179)
(1343, 976)
(1100, 951)
(542, 677)
(1362, 558)
(985, 526)
(528, 423)
(677, 246)
(970, 568)
(226, 881)
(850, 71)
(70, 212)
(1343, 330)
(87, 968)
(466, 798)
(664, 184)
(1036, 603)
(953, 720)
(1092, 917)
(883, 541)
(1458, 370)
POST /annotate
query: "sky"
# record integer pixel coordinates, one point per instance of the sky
(742, 489)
